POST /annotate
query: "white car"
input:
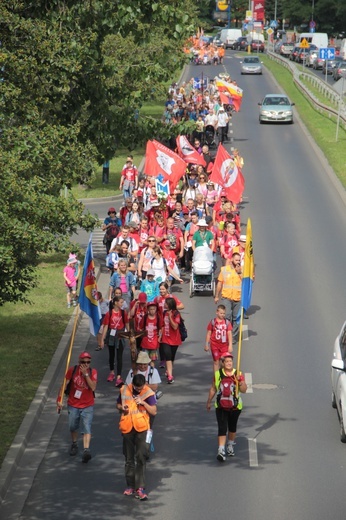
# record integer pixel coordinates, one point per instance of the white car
(339, 380)
(251, 65)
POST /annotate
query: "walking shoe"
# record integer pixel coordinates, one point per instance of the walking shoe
(86, 456)
(141, 494)
(170, 380)
(111, 378)
(230, 449)
(68, 305)
(128, 492)
(221, 456)
(74, 303)
(119, 382)
(74, 449)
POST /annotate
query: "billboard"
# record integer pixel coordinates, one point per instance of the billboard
(258, 10)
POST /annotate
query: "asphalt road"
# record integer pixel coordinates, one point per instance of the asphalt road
(289, 461)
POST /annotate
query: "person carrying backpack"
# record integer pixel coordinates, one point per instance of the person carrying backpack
(171, 338)
(228, 404)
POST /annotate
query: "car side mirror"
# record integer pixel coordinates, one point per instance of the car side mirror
(259, 104)
(240, 62)
(292, 104)
(338, 364)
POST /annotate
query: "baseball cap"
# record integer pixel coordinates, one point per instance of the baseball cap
(226, 355)
(84, 354)
(242, 238)
(142, 297)
(150, 272)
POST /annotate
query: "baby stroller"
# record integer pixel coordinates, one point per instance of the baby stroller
(202, 276)
(210, 136)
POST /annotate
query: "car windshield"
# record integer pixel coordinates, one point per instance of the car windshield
(279, 100)
(251, 60)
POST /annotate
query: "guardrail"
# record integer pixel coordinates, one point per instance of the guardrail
(340, 106)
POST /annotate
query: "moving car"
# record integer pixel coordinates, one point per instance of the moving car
(251, 65)
(331, 64)
(286, 49)
(240, 44)
(294, 53)
(257, 46)
(318, 63)
(339, 380)
(276, 108)
(312, 55)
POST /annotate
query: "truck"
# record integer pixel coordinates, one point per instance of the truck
(318, 39)
(230, 36)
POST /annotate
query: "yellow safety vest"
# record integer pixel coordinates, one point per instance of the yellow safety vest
(231, 283)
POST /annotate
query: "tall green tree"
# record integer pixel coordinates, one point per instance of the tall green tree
(72, 75)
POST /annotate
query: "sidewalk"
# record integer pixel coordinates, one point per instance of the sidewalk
(31, 442)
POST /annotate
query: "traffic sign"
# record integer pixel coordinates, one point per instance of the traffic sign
(304, 44)
(312, 24)
(327, 53)
(223, 6)
(270, 31)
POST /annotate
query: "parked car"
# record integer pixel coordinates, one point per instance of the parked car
(276, 108)
(339, 380)
(331, 64)
(240, 44)
(294, 53)
(251, 65)
(339, 71)
(257, 46)
(286, 49)
(311, 57)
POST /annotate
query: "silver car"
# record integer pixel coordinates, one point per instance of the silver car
(339, 380)
(251, 65)
(276, 108)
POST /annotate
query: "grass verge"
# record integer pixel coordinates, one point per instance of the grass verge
(321, 127)
(29, 337)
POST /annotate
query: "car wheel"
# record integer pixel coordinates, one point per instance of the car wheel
(333, 400)
(342, 429)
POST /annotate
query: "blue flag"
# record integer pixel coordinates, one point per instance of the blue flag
(88, 300)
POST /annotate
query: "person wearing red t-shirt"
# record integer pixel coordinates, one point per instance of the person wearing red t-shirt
(157, 227)
(81, 381)
(125, 210)
(150, 342)
(115, 321)
(138, 312)
(175, 236)
(128, 179)
(219, 336)
(229, 240)
(171, 338)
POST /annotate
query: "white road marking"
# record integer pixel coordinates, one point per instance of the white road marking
(253, 457)
(248, 380)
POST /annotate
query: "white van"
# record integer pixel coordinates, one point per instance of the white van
(255, 36)
(230, 36)
(343, 49)
(318, 39)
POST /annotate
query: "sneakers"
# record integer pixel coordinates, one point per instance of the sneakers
(221, 456)
(162, 364)
(170, 380)
(111, 378)
(141, 494)
(69, 306)
(128, 492)
(74, 449)
(119, 382)
(86, 456)
(230, 449)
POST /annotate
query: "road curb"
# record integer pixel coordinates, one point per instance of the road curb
(16, 451)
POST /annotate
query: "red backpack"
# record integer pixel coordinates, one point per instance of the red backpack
(226, 398)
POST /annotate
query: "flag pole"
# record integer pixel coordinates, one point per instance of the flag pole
(63, 386)
(239, 349)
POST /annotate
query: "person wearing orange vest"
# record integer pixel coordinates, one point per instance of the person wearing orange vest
(136, 403)
(229, 287)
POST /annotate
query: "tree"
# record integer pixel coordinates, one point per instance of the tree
(73, 74)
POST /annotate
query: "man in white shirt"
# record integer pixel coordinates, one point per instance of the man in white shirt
(152, 377)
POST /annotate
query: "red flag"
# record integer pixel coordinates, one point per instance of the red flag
(236, 100)
(225, 98)
(188, 152)
(160, 160)
(228, 175)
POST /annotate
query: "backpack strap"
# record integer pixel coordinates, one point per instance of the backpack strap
(151, 372)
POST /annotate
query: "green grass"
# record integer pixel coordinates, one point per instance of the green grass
(321, 127)
(29, 337)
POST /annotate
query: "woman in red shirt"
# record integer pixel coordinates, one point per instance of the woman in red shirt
(114, 321)
(170, 339)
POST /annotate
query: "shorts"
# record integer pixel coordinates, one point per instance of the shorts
(80, 415)
(71, 288)
(152, 353)
(218, 352)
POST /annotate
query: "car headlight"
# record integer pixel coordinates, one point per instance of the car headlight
(265, 112)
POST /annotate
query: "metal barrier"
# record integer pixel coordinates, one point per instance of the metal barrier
(326, 90)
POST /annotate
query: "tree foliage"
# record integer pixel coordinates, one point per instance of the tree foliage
(72, 76)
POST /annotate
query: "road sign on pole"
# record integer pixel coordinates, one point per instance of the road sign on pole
(304, 44)
(327, 53)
